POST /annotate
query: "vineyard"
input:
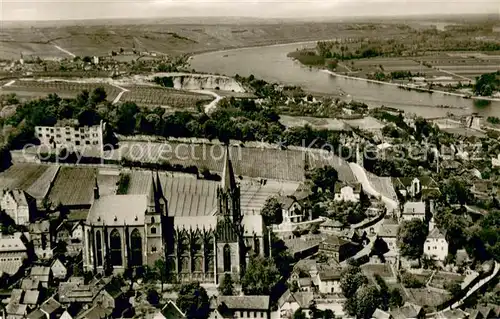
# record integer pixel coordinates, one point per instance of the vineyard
(383, 185)
(157, 96)
(73, 186)
(36, 89)
(251, 162)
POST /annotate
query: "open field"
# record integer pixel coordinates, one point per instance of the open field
(86, 39)
(314, 122)
(36, 89)
(157, 96)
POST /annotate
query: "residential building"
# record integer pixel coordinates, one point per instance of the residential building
(30, 284)
(170, 311)
(76, 290)
(12, 253)
(436, 245)
(58, 269)
(305, 284)
(292, 210)
(408, 311)
(452, 314)
(18, 205)
(412, 187)
(347, 192)
(240, 307)
(388, 232)
(41, 239)
(136, 230)
(337, 248)
(331, 226)
(72, 137)
(289, 302)
(412, 210)
(96, 312)
(42, 274)
(15, 309)
(329, 281)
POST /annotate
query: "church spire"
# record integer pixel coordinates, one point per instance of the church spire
(159, 190)
(228, 181)
(152, 191)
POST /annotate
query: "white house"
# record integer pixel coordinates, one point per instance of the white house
(239, 307)
(18, 205)
(58, 269)
(412, 210)
(329, 282)
(292, 211)
(289, 302)
(347, 193)
(436, 245)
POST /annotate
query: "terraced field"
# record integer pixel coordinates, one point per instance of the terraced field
(22, 176)
(157, 96)
(36, 89)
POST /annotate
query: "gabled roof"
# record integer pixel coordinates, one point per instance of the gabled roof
(113, 289)
(50, 306)
(118, 210)
(30, 284)
(332, 223)
(333, 274)
(436, 234)
(425, 181)
(96, 312)
(414, 208)
(171, 311)
(452, 314)
(286, 201)
(37, 314)
(31, 297)
(39, 227)
(19, 196)
(302, 298)
(380, 314)
(335, 241)
(40, 272)
(241, 302)
(408, 310)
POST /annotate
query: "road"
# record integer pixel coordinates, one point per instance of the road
(64, 50)
(210, 107)
(118, 97)
(9, 83)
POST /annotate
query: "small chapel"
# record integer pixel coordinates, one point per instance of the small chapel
(200, 240)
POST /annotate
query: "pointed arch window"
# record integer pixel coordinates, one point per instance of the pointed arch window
(256, 245)
(152, 220)
(227, 258)
(136, 246)
(115, 244)
(98, 243)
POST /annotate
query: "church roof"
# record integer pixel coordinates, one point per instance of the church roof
(118, 210)
(228, 181)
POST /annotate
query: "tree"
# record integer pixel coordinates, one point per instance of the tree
(153, 297)
(193, 301)
(456, 191)
(98, 95)
(351, 279)
(87, 59)
(299, 314)
(125, 122)
(260, 276)
(367, 300)
(395, 298)
(161, 270)
(325, 178)
(226, 287)
(272, 212)
(411, 238)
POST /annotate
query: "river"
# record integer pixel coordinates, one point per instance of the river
(272, 64)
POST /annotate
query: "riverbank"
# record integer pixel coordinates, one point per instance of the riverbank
(409, 87)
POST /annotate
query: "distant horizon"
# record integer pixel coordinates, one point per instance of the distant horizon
(24, 11)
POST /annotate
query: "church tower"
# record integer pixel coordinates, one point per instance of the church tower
(154, 221)
(230, 252)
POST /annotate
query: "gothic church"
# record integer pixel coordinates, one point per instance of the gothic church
(133, 230)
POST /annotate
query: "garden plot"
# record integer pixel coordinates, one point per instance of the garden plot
(157, 96)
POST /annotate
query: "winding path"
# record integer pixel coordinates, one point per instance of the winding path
(118, 97)
(210, 107)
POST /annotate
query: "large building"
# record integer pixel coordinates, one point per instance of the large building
(18, 205)
(198, 242)
(72, 137)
